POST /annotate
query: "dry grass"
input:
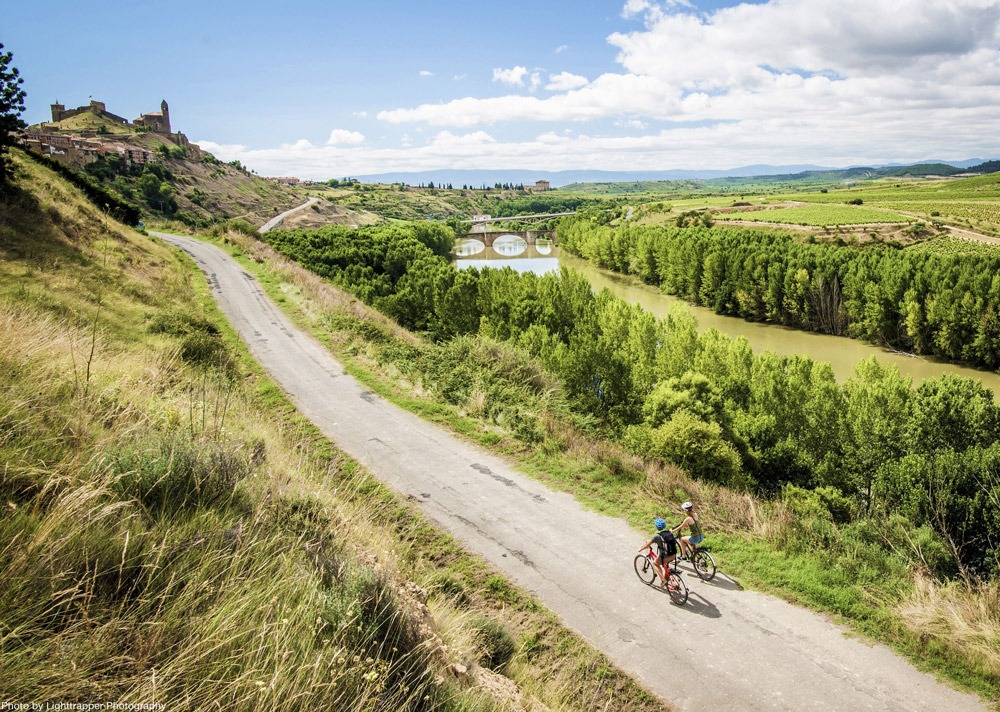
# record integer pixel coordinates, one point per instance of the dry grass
(966, 619)
(223, 603)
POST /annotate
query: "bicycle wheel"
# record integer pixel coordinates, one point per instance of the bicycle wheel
(704, 565)
(677, 589)
(644, 569)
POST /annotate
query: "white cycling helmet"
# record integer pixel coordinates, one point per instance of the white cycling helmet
(687, 505)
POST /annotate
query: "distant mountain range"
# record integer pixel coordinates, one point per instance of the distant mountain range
(479, 178)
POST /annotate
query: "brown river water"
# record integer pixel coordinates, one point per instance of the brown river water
(843, 354)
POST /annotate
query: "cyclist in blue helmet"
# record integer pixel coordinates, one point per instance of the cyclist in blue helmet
(666, 548)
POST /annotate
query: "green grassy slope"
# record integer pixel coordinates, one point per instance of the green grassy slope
(172, 532)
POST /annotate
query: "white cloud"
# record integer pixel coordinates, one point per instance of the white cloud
(834, 82)
(560, 49)
(637, 7)
(791, 139)
(565, 81)
(223, 151)
(342, 137)
(631, 124)
(608, 95)
(426, 73)
(460, 77)
(300, 145)
(513, 76)
(535, 81)
(900, 64)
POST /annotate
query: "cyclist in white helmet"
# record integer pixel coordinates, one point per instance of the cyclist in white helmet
(696, 536)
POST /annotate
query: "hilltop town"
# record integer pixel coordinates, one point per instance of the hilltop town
(156, 167)
(82, 135)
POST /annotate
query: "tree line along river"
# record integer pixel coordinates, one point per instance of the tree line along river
(842, 353)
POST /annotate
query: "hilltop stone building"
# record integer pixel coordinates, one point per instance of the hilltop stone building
(60, 112)
(84, 146)
(157, 121)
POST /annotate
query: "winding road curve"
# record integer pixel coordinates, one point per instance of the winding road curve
(727, 649)
(278, 219)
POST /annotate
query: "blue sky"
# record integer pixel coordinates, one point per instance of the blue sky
(327, 89)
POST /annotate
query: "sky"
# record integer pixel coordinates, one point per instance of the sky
(326, 88)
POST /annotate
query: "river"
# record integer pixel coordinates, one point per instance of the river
(843, 354)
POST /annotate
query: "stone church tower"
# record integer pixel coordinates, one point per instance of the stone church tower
(166, 116)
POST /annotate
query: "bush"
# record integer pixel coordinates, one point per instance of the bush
(498, 644)
(202, 343)
(179, 323)
(689, 442)
(239, 225)
(811, 526)
(171, 474)
(206, 350)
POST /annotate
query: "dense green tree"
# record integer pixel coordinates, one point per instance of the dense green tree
(11, 108)
(918, 465)
(944, 305)
(694, 444)
(874, 422)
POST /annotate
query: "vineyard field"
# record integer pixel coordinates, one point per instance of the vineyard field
(819, 215)
(951, 245)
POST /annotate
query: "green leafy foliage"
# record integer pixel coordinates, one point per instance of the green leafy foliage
(506, 342)
(11, 108)
(945, 305)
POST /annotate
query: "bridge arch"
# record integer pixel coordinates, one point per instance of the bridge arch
(529, 236)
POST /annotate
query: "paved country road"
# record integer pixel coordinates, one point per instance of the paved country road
(727, 649)
(278, 219)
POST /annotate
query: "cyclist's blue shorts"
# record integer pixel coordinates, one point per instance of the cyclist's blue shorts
(696, 540)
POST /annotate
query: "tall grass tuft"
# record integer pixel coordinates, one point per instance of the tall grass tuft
(965, 620)
(168, 474)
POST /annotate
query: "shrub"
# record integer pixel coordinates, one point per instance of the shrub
(169, 474)
(811, 526)
(202, 343)
(239, 225)
(179, 323)
(498, 644)
(201, 349)
(689, 442)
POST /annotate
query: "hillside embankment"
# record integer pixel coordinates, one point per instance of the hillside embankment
(173, 532)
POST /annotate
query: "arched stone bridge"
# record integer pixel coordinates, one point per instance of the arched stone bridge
(529, 236)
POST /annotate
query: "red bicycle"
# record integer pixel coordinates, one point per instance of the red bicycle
(646, 572)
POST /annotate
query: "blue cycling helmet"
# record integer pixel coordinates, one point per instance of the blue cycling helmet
(660, 524)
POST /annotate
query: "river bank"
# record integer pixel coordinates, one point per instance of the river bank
(843, 354)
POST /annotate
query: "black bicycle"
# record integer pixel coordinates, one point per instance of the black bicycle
(676, 587)
(703, 563)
